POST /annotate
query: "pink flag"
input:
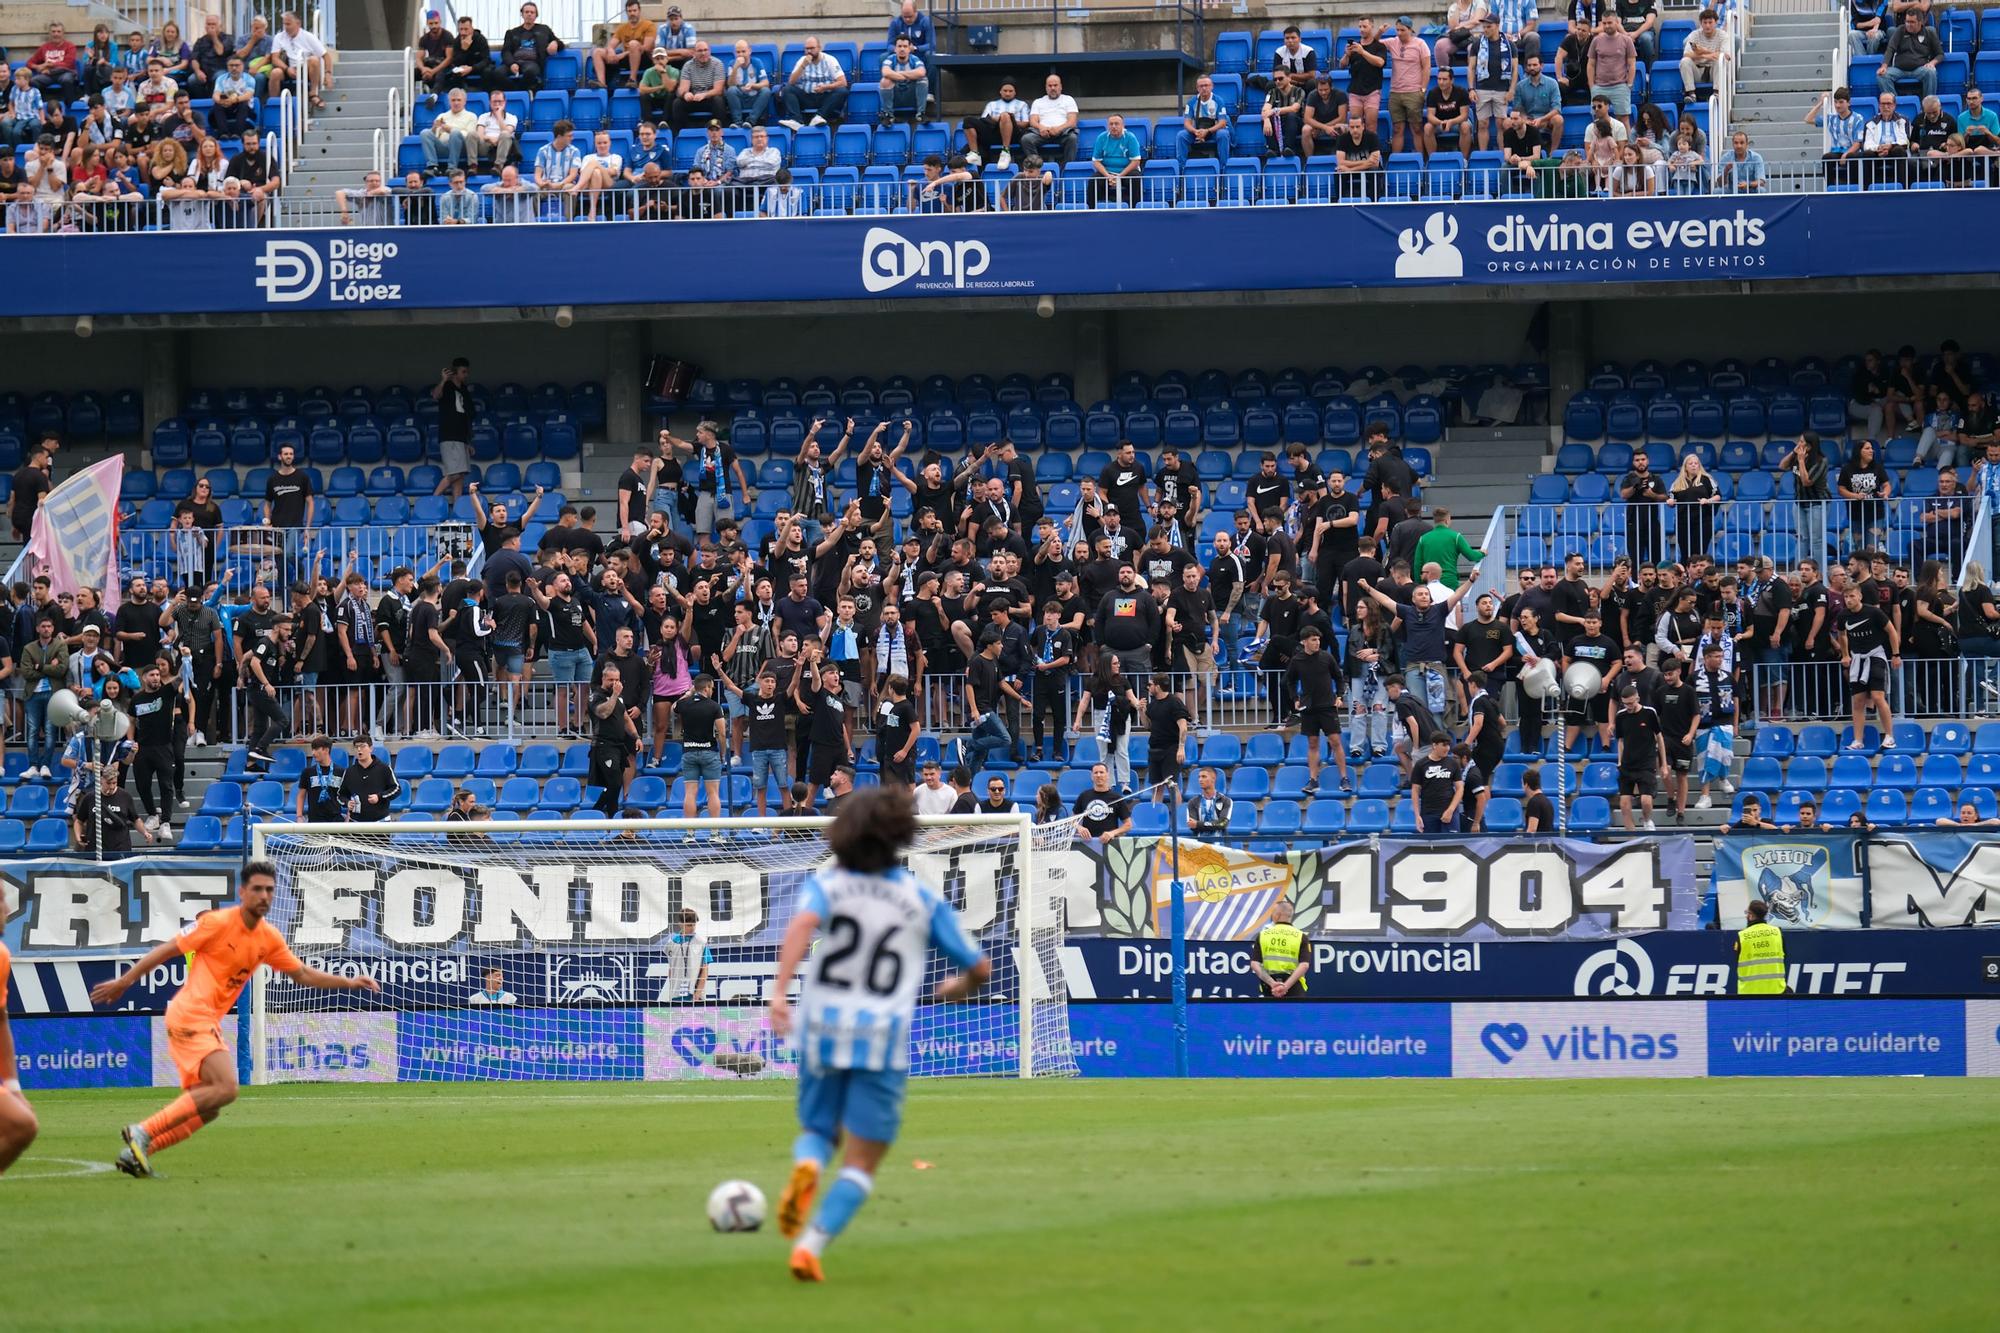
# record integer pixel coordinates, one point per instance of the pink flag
(75, 537)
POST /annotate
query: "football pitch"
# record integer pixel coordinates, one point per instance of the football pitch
(1824, 1204)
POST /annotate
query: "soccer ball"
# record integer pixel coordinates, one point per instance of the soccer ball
(736, 1205)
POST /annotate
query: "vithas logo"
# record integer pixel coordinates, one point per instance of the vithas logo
(288, 271)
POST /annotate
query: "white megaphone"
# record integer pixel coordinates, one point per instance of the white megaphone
(1539, 680)
(1582, 681)
(65, 709)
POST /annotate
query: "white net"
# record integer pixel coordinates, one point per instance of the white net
(560, 951)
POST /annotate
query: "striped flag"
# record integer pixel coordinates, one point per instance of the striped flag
(75, 536)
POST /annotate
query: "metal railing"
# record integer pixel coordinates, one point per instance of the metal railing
(1920, 687)
(460, 707)
(1604, 531)
(245, 556)
(401, 206)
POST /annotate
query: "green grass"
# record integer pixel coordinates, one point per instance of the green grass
(1822, 1204)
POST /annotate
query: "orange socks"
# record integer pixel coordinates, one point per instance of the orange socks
(184, 1130)
(173, 1113)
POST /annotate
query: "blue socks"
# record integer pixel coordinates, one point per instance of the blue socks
(838, 1207)
(811, 1147)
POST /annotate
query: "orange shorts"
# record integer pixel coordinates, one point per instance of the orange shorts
(189, 1047)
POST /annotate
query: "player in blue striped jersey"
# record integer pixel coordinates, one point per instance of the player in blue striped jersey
(856, 1008)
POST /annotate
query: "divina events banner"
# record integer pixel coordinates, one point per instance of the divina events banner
(899, 258)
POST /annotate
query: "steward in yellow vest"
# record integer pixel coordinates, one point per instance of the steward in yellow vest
(1760, 954)
(1281, 960)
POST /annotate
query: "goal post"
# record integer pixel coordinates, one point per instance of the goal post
(523, 950)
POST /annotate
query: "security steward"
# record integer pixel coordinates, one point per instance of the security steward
(1760, 954)
(1281, 960)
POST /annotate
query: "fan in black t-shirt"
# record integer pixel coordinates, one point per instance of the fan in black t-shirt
(1641, 755)
(1102, 812)
(1438, 787)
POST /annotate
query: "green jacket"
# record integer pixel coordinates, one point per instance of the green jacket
(39, 664)
(1445, 546)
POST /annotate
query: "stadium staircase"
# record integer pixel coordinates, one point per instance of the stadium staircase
(1785, 67)
(339, 144)
(1486, 467)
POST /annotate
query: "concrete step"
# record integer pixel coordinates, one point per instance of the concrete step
(1806, 89)
(1754, 70)
(1790, 41)
(1794, 101)
(1794, 25)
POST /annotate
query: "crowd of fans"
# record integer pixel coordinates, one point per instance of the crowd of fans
(140, 137)
(985, 630)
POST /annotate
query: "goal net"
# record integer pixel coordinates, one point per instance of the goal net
(645, 949)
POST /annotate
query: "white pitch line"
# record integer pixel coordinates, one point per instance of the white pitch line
(78, 1167)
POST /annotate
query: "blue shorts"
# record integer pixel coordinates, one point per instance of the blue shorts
(866, 1103)
(768, 766)
(570, 666)
(509, 657)
(701, 766)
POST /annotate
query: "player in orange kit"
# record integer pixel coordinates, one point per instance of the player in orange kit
(17, 1118)
(225, 948)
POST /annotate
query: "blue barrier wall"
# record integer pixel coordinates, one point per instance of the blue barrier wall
(1384, 246)
(1251, 1039)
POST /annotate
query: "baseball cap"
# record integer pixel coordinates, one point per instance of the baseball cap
(433, 16)
(1407, 22)
(673, 11)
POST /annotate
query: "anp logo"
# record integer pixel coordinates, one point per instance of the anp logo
(1431, 254)
(288, 271)
(1623, 969)
(888, 260)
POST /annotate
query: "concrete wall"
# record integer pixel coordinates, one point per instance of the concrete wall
(1192, 337)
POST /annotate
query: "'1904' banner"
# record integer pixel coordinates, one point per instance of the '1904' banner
(1475, 889)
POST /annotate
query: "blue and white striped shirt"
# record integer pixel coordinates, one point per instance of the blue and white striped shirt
(812, 75)
(553, 165)
(1842, 132)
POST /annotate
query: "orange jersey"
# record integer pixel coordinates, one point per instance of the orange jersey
(6, 974)
(224, 956)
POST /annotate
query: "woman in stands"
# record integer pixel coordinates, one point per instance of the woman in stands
(1371, 659)
(1694, 498)
(207, 516)
(1865, 485)
(177, 54)
(1112, 704)
(669, 660)
(1934, 646)
(1533, 645)
(1631, 177)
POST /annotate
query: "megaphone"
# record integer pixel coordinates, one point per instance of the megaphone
(65, 709)
(1539, 680)
(1582, 681)
(108, 724)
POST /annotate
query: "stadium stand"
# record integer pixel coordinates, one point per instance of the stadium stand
(1018, 445)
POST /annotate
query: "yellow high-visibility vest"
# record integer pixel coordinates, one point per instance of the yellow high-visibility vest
(1279, 947)
(1760, 960)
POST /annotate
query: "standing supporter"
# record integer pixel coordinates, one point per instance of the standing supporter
(614, 741)
(1437, 787)
(1365, 58)
(453, 395)
(1611, 64)
(1870, 648)
(368, 786)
